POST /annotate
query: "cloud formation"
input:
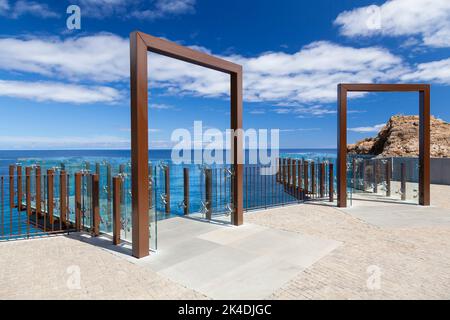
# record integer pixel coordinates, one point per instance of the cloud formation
(304, 80)
(435, 71)
(58, 92)
(427, 19)
(375, 128)
(22, 7)
(133, 9)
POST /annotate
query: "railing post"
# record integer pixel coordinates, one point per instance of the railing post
(50, 197)
(167, 187)
(331, 182)
(388, 178)
(284, 171)
(95, 221)
(403, 180)
(299, 167)
(289, 172)
(306, 176)
(322, 180)
(63, 196)
(186, 190)
(28, 196)
(117, 181)
(294, 178)
(38, 193)
(279, 170)
(11, 188)
(208, 193)
(78, 201)
(19, 188)
(313, 178)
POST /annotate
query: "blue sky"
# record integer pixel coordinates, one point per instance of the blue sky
(63, 88)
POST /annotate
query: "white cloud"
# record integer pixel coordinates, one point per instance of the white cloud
(4, 6)
(257, 111)
(429, 19)
(102, 57)
(133, 9)
(22, 7)
(310, 75)
(157, 106)
(435, 71)
(375, 128)
(58, 92)
(163, 8)
(299, 130)
(301, 81)
(303, 111)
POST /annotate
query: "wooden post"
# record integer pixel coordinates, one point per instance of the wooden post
(424, 146)
(116, 181)
(186, 190)
(28, 196)
(313, 178)
(289, 172)
(95, 203)
(403, 180)
(50, 196)
(306, 176)
(278, 170)
(63, 197)
(38, 193)
(167, 188)
(331, 181)
(299, 166)
(294, 178)
(208, 193)
(78, 218)
(19, 188)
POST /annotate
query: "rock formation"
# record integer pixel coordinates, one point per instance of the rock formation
(400, 138)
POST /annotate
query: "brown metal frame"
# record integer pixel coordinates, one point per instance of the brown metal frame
(424, 134)
(140, 44)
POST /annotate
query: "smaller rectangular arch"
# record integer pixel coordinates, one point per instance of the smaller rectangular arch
(424, 134)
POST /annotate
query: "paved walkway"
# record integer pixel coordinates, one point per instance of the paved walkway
(66, 268)
(374, 260)
(372, 263)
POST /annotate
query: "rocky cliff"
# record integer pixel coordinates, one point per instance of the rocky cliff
(400, 138)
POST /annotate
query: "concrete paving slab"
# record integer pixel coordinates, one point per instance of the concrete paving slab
(227, 262)
(399, 215)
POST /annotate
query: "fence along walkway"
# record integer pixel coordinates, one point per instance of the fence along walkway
(37, 204)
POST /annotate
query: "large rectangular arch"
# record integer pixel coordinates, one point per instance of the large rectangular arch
(140, 44)
(424, 134)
